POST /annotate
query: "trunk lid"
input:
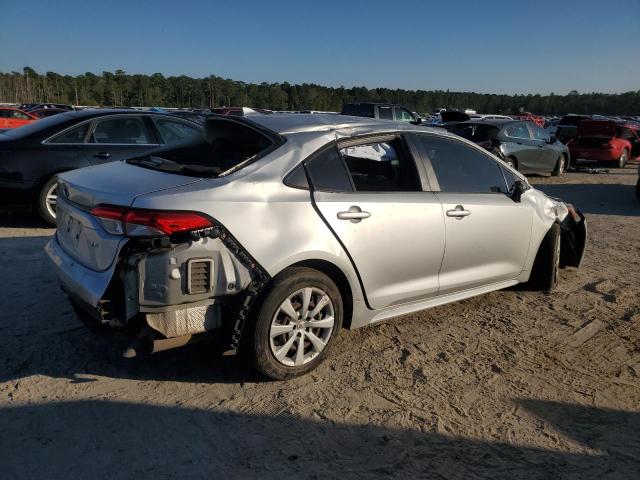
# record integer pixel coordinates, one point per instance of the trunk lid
(596, 129)
(79, 233)
(115, 183)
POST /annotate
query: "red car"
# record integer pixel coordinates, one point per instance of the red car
(606, 141)
(11, 117)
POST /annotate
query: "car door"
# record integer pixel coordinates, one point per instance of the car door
(547, 156)
(487, 233)
(118, 137)
(371, 194)
(523, 147)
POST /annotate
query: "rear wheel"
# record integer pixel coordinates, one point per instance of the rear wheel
(624, 156)
(561, 165)
(47, 200)
(544, 274)
(296, 324)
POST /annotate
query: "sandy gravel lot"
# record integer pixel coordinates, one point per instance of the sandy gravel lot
(513, 384)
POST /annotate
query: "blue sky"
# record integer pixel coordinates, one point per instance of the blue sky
(515, 46)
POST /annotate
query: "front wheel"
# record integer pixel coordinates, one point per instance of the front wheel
(47, 200)
(622, 160)
(561, 165)
(296, 323)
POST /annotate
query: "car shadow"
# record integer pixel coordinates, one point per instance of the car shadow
(597, 199)
(107, 439)
(21, 219)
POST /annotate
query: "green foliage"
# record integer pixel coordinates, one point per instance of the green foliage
(121, 89)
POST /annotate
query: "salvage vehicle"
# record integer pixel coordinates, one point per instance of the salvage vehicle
(31, 157)
(11, 117)
(522, 145)
(606, 141)
(382, 111)
(275, 231)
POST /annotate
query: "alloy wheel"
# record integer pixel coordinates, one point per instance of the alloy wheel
(51, 199)
(301, 327)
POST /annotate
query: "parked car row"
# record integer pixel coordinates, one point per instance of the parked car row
(31, 157)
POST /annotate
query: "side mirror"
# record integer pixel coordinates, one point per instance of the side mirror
(519, 187)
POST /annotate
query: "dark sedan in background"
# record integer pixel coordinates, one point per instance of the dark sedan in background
(32, 156)
(521, 144)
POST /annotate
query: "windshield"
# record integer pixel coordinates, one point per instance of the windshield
(475, 132)
(226, 146)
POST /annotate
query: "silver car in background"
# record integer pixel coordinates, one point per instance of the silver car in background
(275, 231)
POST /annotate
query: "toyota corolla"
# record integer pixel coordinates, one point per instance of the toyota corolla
(273, 232)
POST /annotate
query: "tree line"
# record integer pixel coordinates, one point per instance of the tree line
(118, 89)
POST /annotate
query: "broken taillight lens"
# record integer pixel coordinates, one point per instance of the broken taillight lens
(138, 222)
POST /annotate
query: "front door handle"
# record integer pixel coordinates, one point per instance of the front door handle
(354, 214)
(458, 212)
(102, 155)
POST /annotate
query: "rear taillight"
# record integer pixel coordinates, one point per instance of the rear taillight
(138, 222)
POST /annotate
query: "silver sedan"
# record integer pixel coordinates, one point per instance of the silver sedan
(273, 232)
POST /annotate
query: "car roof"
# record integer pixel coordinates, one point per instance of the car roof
(287, 123)
(496, 122)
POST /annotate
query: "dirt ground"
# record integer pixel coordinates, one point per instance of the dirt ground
(512, 384)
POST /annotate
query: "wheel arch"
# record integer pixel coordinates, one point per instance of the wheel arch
(336, 274)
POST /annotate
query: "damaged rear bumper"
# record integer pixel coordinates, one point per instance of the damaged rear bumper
(87, 285)
(169, 292)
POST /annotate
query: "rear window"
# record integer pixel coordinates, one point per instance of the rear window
(226, 145)
(475, 132)
(358, 110)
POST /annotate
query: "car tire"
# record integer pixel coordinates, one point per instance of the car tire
(544, 274)
(46, 201)
(561, 165)
(624, 156)
(277, 336)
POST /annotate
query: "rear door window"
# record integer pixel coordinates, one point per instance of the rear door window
(384, 166)
(121, 130)
(461, 168)
(327, 172)
(386, 113)
(74, 136)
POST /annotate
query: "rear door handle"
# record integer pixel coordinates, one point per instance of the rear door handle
(458, 212)
(354, 214)
(102, 155)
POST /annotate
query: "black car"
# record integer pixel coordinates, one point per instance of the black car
(521, 144)
(384, 111)
(32, 156)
